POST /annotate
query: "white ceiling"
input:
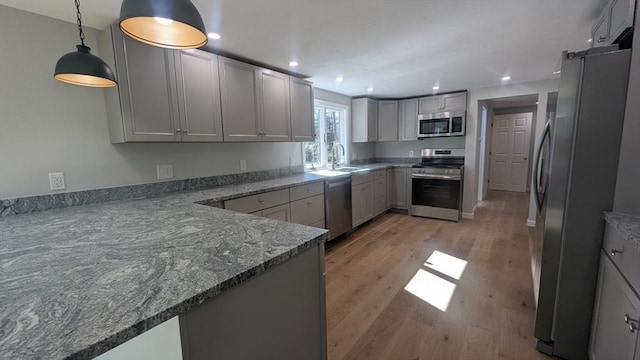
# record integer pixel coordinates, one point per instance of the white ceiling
(400, 47)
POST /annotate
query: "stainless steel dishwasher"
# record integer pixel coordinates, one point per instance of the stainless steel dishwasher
(338, 206)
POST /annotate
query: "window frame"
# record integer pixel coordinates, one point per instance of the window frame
(321, 136)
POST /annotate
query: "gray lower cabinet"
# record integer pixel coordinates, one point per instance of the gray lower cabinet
(162, 95)
(408, 127)
(361, 203)
(280, 212)
(240, 109)
(400, 197)
(389, 187)
(387, 120)
(302, 126)
(279, 314)
(614, 335)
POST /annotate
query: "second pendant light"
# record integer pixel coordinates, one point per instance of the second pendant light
(174, 24)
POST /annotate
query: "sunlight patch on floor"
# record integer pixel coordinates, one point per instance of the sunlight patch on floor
(446, 264)
(432, 289)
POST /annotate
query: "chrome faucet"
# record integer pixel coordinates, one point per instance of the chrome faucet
(335, 146)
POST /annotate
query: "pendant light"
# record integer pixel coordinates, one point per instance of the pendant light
(81, 67)
(174, 24)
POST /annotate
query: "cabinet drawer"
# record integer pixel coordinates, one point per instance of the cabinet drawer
(308, 211)
(304, 191)
(361, 177)
(624, 255)
(379, 174)
(253, 203)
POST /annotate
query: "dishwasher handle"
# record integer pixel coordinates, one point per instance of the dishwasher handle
(331, 184)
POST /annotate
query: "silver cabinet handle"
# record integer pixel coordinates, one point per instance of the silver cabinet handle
(309, 203)
(178, 131)
(185, 131)
(602, 39)
(261, 201)
(631, 322)
(615, 251)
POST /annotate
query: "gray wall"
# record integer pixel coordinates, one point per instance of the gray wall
(401, 148)
(47, 126)
(627, 196)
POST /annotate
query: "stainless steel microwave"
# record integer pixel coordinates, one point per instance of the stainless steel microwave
(441, 124)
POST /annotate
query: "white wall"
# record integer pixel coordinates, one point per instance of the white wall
(627, 195)
(472, 140)
(47, 126)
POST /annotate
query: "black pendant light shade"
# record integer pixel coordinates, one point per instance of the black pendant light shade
(83, 68)
(174, 24)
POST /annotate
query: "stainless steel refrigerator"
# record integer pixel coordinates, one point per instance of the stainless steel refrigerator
(574, 184)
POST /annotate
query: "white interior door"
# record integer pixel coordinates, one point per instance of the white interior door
(510, 139)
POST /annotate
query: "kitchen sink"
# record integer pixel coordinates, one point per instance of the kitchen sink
(339, 171)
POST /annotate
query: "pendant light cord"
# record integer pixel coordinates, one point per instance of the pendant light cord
(80, 22)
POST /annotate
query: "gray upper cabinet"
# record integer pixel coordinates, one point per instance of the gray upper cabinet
(301, 97)
(240, 110)
(447, 102)
(143, 107)
(387, 120)
(364, 120)
(614, 20)
(275, 122)
(408, 120)
(198, 96)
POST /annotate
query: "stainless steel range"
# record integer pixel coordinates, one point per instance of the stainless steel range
(436, 184)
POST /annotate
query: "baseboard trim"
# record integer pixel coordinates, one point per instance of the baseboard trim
(531, 223)
(467, 215)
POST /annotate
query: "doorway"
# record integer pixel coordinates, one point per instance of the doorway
(509, 139)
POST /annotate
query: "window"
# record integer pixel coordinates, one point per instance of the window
(330, 121)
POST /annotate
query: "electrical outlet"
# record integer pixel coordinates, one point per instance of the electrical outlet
(243, 164)
(164, 171)
(56, 181)
(411, 153)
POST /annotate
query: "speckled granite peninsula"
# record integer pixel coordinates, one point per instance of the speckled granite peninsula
(78, 281)
(627, 225)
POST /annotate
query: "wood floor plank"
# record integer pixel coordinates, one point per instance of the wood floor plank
(372, 315)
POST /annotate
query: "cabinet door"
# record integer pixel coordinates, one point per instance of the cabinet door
(429, 104)
(611, 337)
(389, 187)
(281, 212)
(302, 127)
(456, 101)
(408, 120)
(600, 32)
(387, 121)
(372, 120)
(274, 106)
(240, 110)
(356, 204)
(399, 194)
(367, 201)
(146, 86)
(359, 120)
(621, 17)
(198, 96)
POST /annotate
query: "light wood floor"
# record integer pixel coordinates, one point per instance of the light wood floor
(490, 315)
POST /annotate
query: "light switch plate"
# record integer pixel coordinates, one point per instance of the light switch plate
(164, 171)
(243, 164)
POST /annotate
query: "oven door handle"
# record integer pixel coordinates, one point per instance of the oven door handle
(437, 177)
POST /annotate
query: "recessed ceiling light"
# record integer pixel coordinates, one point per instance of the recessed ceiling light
(590, 40)
(293, 63)
(369, 89)
(556, 72)
(436, 87)
(339, 79)
(214, 36)
(506, 78)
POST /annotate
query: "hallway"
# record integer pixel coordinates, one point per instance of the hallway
(481, 305)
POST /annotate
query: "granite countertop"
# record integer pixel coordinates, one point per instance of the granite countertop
(627, 225)
(78, 281)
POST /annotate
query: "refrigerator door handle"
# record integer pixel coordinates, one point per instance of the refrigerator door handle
(545, 133)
